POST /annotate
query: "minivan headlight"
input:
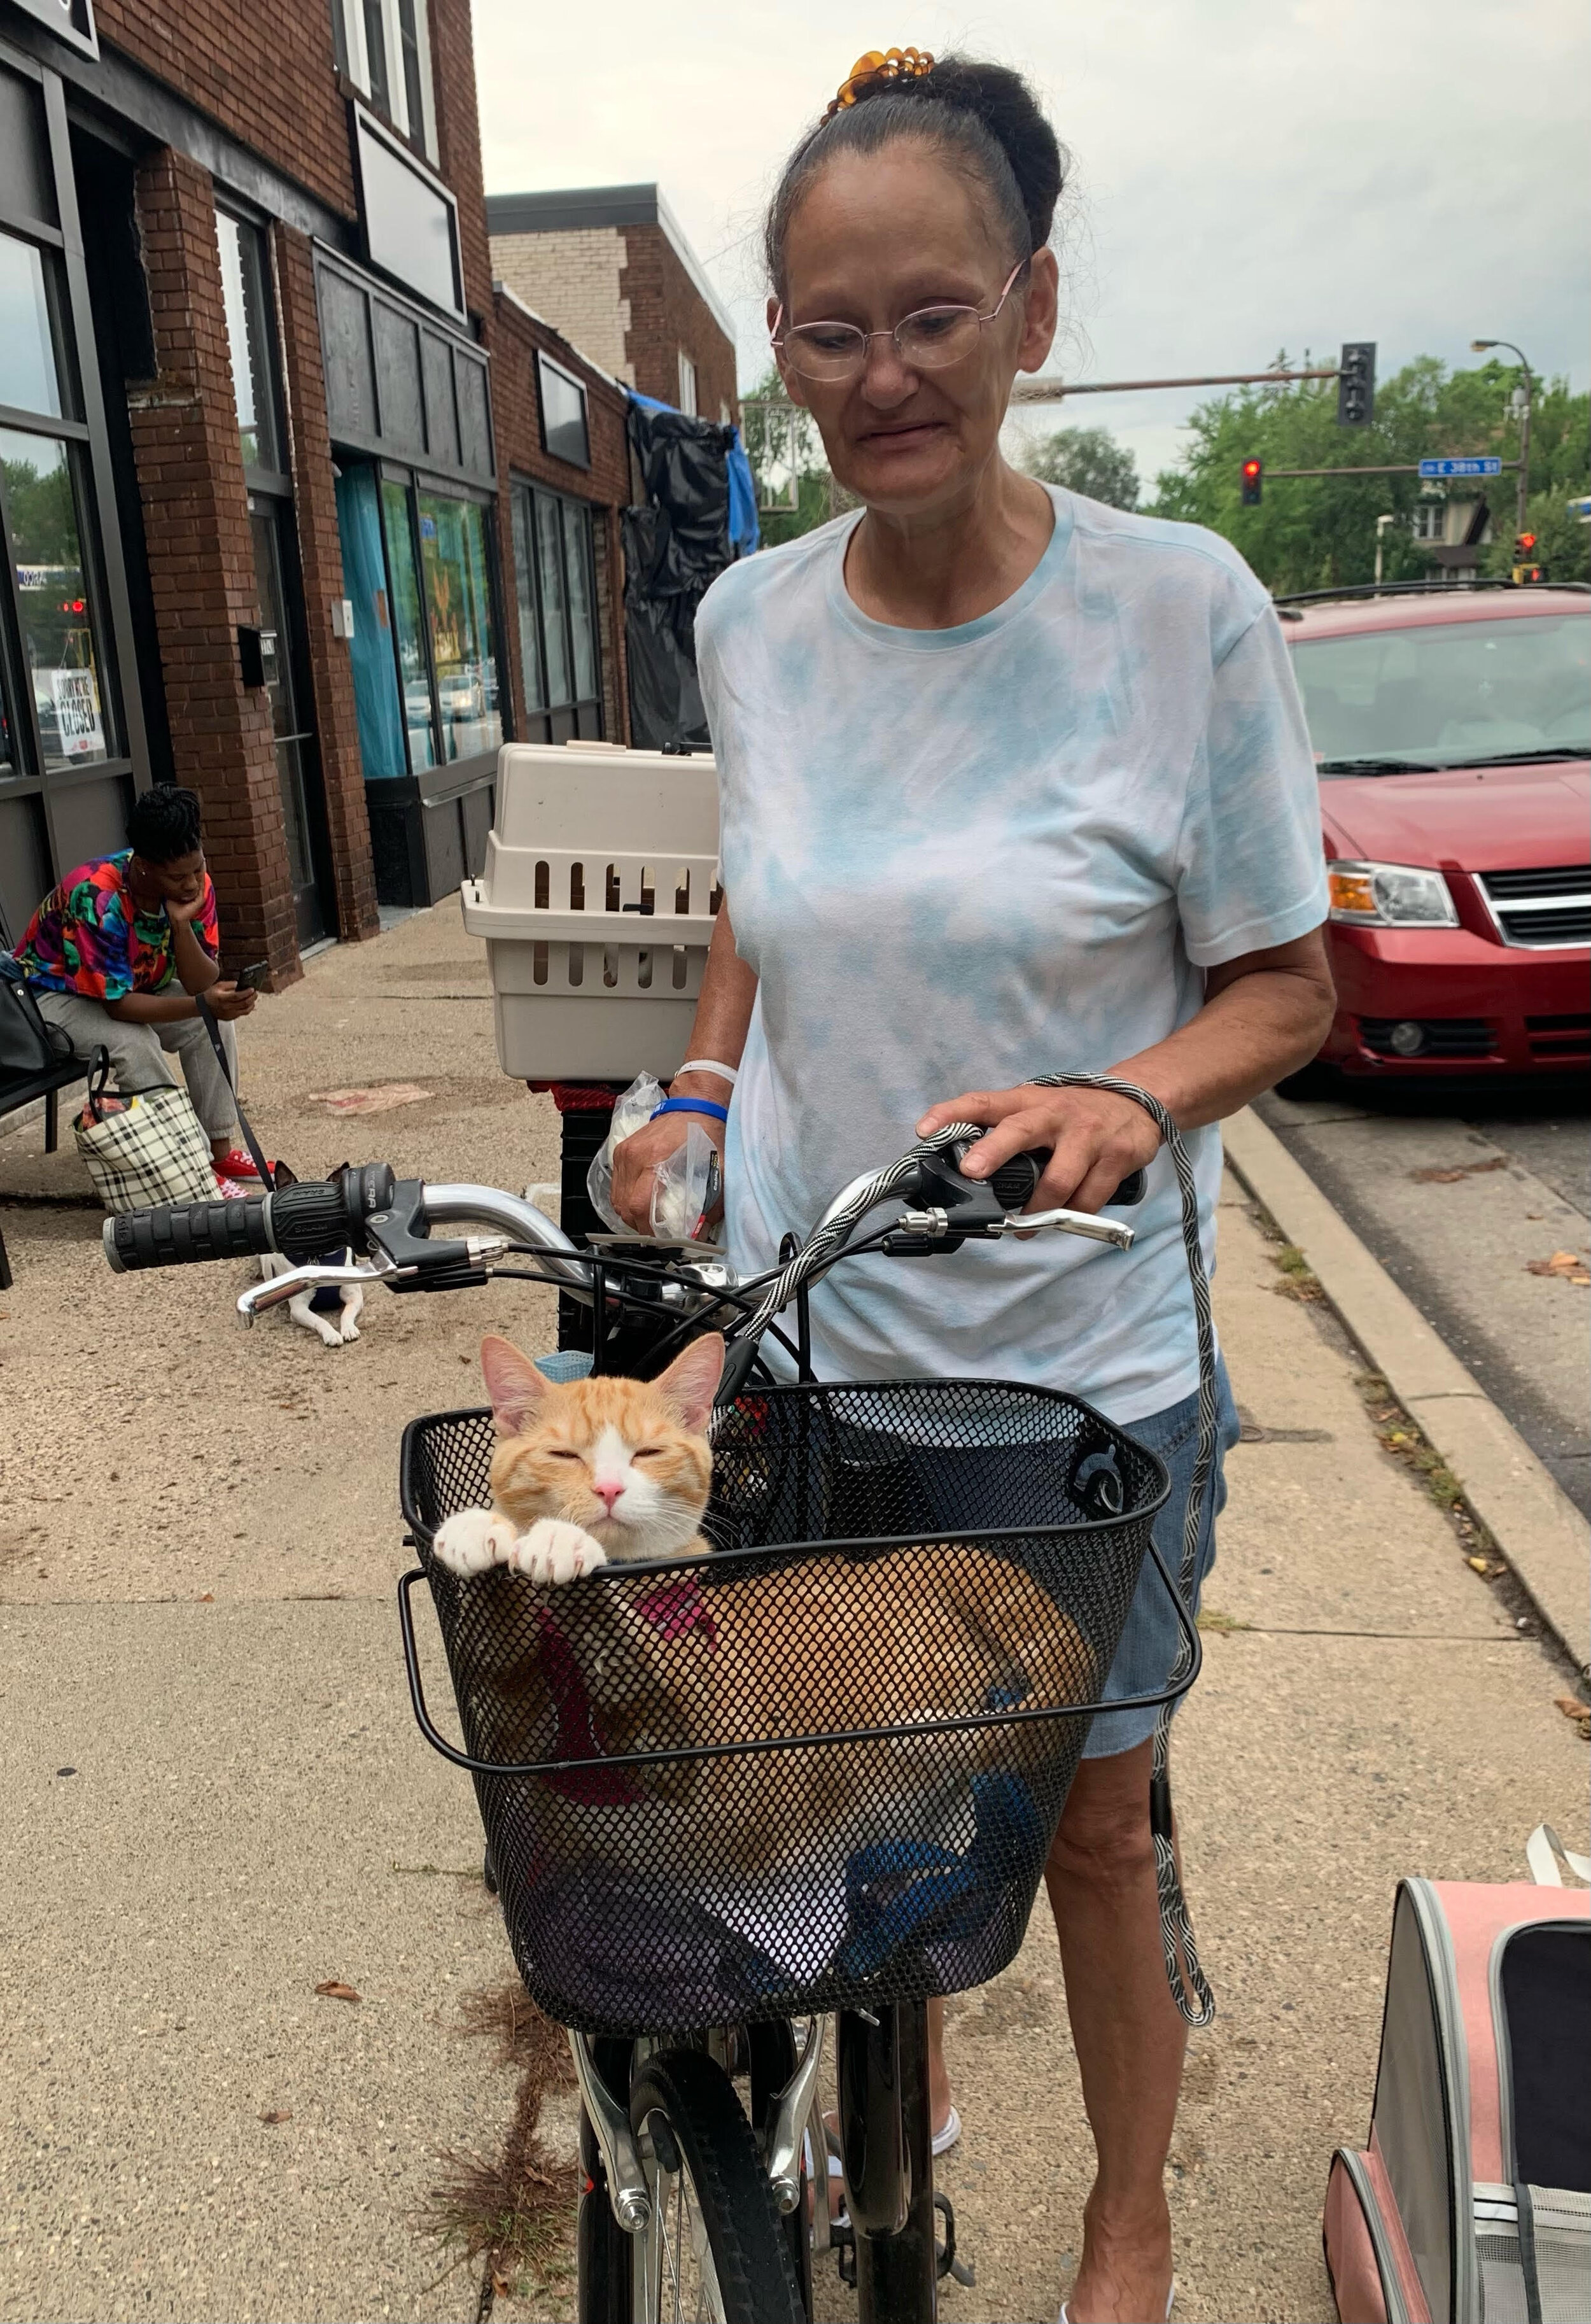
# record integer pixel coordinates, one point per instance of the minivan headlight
(1389, 896)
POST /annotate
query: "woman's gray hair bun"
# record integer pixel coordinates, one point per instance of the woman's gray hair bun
(984, 117)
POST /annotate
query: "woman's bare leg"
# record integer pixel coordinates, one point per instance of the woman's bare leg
(1128, 2033)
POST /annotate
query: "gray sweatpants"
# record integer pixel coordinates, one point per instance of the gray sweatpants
(139, 1054)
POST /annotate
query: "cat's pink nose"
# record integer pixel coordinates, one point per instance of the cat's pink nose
(608, 1493)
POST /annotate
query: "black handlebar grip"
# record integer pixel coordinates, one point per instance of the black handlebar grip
(1015, 1182)
(309, 1220)
(174, 1234)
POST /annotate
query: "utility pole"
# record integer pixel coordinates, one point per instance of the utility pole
(1381, 525)
(1479, 347)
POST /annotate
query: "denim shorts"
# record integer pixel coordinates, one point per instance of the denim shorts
(1148, 1645)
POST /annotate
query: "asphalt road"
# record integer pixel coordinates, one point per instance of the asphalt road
(1462, 1203)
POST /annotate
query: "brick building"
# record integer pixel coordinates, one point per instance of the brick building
(294, 506)
(611, 267)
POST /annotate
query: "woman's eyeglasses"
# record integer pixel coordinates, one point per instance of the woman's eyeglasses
(928, 340)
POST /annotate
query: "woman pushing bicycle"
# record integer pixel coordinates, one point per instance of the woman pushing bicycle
(1009, 782)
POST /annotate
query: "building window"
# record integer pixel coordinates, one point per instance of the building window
(1429, 520)
(249, 339)
(687, 386)
(555, 581)
(565, 435)
(384, 48)
(52, 627)
(416, 564)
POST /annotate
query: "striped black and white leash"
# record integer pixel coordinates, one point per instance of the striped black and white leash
(1190, 1987)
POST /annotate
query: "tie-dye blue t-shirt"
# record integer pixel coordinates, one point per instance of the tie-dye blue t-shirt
(959, 857)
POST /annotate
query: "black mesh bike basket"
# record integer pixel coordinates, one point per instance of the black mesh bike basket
(822, 1767)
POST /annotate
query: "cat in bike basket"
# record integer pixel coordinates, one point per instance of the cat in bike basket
(599, 1472)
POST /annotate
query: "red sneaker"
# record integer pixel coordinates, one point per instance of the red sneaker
(229, 1191)
(236, 1165)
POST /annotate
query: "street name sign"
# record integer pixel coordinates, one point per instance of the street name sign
(1484, 467)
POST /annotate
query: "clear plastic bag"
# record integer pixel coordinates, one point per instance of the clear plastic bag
(680, 1183)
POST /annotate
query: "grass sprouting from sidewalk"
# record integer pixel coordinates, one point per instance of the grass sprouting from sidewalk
(1300, 1280)
(1408, 1444)
(514, 2210)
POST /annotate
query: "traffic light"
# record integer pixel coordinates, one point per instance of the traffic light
(1355, 384)
(1254, 477)
(1525, 567)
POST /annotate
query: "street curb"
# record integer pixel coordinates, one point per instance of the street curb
(1536, 1526)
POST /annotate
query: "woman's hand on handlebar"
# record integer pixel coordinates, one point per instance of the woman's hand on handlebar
(1097, 1139)
(636, 1158)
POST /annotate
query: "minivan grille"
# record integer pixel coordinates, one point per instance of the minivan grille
(1559, 1040)
(1547, 909)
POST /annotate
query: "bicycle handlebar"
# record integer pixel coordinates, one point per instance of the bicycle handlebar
(300, 1221)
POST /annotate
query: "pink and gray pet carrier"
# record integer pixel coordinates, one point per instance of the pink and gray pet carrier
(1471, 2204)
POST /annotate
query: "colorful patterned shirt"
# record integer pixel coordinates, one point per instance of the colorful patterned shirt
(87, 936)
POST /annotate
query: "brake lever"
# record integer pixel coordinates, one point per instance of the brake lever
(276, 1289)
(1093, 1228)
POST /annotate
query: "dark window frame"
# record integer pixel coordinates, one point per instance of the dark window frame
(88, 452)
(415, 481)
(546, 365)
(579, 715)
(259, 272)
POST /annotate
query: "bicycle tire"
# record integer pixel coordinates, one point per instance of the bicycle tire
(740, 2256)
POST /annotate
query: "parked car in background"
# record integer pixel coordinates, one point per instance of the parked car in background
(1452, 734)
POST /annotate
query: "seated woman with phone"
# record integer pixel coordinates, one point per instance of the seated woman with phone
(119, 953)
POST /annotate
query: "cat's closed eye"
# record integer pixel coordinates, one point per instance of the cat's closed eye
(562, 1452)
(648, 1451)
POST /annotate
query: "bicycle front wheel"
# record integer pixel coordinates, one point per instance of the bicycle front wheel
(715, 2251)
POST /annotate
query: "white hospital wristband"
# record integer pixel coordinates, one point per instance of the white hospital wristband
(711, 1065)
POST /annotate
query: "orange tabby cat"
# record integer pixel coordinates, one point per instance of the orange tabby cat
(590, 1470)
(598, 1471)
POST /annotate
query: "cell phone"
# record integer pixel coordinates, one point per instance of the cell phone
(252, 979)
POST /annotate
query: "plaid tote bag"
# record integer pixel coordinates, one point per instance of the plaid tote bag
(154, 1150)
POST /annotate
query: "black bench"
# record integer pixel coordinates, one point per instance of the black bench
(22, 1090)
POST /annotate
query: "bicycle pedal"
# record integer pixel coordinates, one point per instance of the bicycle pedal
(843, 2244)
(945, 2262)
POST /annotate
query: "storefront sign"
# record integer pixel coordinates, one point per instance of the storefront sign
(71, 20)
(76, 711)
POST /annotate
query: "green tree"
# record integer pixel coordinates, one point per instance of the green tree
(1558, 469)
(815, 497)
(1317, 533)
(1087, 460)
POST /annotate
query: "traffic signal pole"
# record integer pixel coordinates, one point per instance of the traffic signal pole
(1053, 391)
(1407, 468)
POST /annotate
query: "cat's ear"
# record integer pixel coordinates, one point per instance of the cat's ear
(517, 1389)
(691, 1382)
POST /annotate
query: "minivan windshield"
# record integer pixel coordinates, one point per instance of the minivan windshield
(1448, 694)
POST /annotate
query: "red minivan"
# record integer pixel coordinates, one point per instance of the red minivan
(1452, 735)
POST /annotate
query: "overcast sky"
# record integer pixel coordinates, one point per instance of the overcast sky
(1249, 174)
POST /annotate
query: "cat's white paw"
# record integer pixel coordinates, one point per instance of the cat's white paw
(554, 1552)
(474, 1539)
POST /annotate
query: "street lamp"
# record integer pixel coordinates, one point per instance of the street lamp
(1479, 347)
(1381, 525)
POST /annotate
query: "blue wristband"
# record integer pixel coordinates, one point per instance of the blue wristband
(691, 1105)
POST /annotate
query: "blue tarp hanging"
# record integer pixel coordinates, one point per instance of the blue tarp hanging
(698, 516)
(745, 532)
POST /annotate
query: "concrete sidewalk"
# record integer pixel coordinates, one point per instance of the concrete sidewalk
(199, 1541)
